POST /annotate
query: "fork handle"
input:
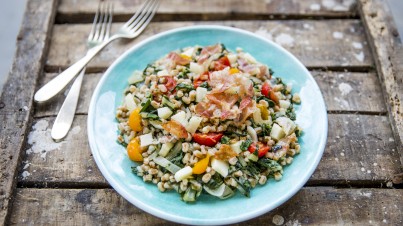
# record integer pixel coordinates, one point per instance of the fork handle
(58, 83)
(65, 117)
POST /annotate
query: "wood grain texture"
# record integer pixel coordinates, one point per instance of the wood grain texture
(360, 150)
(310, 206)
(351, 92)
(339, 44)
(84, 10)
(16, 99)
(343, 91)
(388, 52)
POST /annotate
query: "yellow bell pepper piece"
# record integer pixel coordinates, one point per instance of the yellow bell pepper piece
(135, 120)
(134, 151)
(233, 71)
(263, 111)
(201, 166)
(186, 57)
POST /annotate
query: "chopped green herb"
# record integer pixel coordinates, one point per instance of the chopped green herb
(272, 165)
(291, 113)
(215, 181)
(245, 145)
(185, 87)
(225, 140)
(135, 170)
(266, 129)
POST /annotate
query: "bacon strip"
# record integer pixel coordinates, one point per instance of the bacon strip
(177, 59)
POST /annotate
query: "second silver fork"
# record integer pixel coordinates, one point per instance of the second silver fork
(100, 32)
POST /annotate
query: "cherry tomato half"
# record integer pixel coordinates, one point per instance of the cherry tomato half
(263, 149)
(209, 139)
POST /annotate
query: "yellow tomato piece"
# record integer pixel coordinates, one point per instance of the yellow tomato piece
(134, 151)
(233, 71)
(135, 120)
(201, 166)
(186, 57)
(263, 111)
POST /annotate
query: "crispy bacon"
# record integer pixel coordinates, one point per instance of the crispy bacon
(177, 59)
(208, 51)
(176, 129)
(225, 153)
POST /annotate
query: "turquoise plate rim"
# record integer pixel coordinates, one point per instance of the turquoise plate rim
(154, 210)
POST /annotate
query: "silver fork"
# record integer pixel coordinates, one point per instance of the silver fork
(100, 32)
(130, 29)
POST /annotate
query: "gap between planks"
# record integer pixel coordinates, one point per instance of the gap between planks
(85, 18)
(94, 69)
(342, 184)
(375, 113)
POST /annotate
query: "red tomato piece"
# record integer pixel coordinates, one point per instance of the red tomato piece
(209, 139)
(266, 89)
(263, 149)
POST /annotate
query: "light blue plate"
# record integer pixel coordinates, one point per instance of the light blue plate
(112, 160)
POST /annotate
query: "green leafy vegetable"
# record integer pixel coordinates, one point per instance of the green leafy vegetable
(272, 165)
(225, 140)
(266, 129)
(185, 87)
(245, 145)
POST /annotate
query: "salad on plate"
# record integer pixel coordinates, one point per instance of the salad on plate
(204, 118)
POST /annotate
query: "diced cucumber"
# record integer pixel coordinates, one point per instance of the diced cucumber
(163, 73)
(249, 58)
(189, 52)
(146, 139)
(287, 124)
(252, 133)
(166, 102)
(129, 102)
(165, 148)
(180, 117)
(164, 112)
(222, 192)
(193, 124)
(166, 164)
(200, 94)
(236, 147)
(183, 173)
(156, 124)
(284, 104)
(232, 58)
(196, 68)
(277, 132)
(136, 77)
(253, 157)
(220, 167)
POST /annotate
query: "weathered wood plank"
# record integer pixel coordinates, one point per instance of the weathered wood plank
(83, 11)
(51, 108)
(352, 92)
(360, 150)
(340, 44)
(388, 52)
(16, 99)
(313, 206)
(343, 91)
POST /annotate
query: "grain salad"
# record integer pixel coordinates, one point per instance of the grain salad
(208, 119)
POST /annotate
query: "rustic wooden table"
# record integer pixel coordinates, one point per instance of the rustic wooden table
(351, 48)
